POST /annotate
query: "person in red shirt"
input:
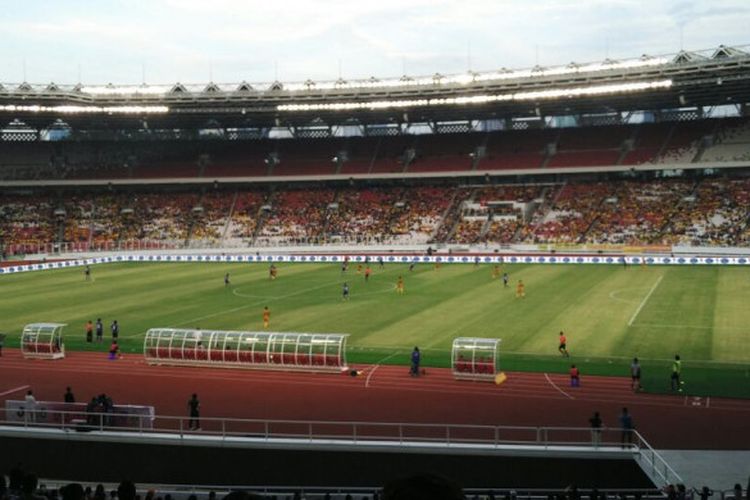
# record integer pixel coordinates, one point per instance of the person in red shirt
(563, 345)
(114, 351)
(575, 376)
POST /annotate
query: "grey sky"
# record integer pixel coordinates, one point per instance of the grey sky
(189, 40)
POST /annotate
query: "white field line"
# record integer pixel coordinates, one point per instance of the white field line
(643, 302)
(11, 391)
(556, 387)
(367, 382)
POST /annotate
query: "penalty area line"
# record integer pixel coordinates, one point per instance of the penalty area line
(643, 302)
(558, 388)
(11, 391)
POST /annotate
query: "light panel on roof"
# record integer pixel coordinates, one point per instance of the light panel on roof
(571, 92)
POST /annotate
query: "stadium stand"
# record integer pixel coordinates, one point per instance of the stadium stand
(704, 211)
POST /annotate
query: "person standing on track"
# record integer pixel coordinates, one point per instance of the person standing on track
(635, 375)
(416, 358)
(563, 347)
(194, 406)
(575, 376)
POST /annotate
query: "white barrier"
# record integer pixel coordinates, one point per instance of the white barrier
(391, 259)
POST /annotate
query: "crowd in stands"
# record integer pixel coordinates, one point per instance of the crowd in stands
(297, 215)
(21, 485)
(568, 216)
(711, 211)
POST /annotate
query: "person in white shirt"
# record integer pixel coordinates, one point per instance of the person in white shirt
(30, 405)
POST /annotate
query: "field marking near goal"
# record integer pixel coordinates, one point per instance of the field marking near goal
(11, 391)
(645, 299)
(614, 294)
(558, 388)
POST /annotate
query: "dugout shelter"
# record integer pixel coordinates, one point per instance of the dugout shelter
(475, 358)
(312, 352)
(43, 341)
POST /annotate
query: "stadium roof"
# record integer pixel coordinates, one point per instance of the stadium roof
(701, 78)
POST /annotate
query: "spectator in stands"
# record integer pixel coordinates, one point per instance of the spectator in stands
(99, 492)
(242, 495)
(738, 491)
(670, 491)
(3, 487)
(72, 491)
(626, 424)
(126, 490)
(28, 488)
(30, 405)
(69, 397)
(424, 487)
(194, 423)
(91, 408)
(704, 492)
(596, 428)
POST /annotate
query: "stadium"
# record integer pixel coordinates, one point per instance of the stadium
(434, 283)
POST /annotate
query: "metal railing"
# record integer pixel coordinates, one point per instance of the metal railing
(401, 433)
(653, 463)
(392, 434)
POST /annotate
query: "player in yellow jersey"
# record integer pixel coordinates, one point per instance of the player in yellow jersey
(520, 290)
(272, 272)
(400, 286)
(266, 317)
(495, 272)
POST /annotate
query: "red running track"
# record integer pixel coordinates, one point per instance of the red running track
(383, 394)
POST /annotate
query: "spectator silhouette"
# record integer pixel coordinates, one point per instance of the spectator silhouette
(422, 487)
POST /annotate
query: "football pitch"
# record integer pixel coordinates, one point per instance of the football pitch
(609, 313)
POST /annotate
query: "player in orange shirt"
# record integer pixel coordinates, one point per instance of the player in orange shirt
(266, 317)
(400, 286)
(563, 345)
(520, 290)
(368, 271)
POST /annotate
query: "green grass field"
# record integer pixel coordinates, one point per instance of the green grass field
(609, 313)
